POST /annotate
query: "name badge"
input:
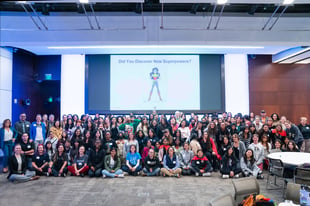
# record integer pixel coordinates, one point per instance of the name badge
(34, 125)
(198, 162)
(148, 162)
(173, 162)
(110, 143)
(28, 146)
(79, 163)
(27, 125)
(38, 157)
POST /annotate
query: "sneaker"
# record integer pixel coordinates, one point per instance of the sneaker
(121, 175)
(125, 173)
(104, 176)
(206, 174)
(47, 174)
(138, 173)
(225, 176)
(236, 176)
(197, 174)
(177, 175)
(260, 177)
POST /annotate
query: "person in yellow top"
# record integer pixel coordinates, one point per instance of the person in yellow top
(57, 129)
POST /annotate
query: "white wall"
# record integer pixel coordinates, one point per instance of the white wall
(72, 84)
(236, 83)
(6, 72)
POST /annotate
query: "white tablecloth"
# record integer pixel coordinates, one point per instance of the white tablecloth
(291, 158)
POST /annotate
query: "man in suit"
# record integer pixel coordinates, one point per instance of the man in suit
(22, 126)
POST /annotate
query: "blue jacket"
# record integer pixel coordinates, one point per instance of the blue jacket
(33, 131)
(2, 136)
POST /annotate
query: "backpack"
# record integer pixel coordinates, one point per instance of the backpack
(257, 200)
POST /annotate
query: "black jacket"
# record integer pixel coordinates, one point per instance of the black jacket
(13, 165)
(96, 159)
(151, 163)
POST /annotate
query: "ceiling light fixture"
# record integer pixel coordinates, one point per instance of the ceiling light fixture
(287, 2)
(154, 46)
(84, 1)
(222, 1)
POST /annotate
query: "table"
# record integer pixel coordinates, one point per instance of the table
(291, 158)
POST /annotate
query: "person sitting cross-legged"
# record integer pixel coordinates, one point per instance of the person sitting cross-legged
(112, 165)
(201, 165)
(171, 164)
(151, 164)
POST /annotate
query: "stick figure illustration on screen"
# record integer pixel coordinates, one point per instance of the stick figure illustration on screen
(154, 75)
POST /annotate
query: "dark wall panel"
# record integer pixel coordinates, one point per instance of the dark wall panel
(28, 83)
(280, 88)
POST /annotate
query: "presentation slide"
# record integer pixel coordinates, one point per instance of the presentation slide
(161, 82)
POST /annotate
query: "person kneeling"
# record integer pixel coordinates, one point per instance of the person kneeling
(171, 164)
(230, 165)
(132, 166)
(201, 165)
(112, 165)
(151, 164)
(79, 167)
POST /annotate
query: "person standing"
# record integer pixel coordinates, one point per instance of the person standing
(22, 126)
(38, 131)
(7, 138)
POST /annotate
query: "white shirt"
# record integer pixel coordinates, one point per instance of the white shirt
(39, 135)
(185, 133)
(8, 135)
(19, 162)
(112, 163)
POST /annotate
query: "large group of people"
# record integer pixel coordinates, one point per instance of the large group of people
(112, 146)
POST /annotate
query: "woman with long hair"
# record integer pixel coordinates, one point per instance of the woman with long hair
(248, 165)
(209, 149)
(230, 165)
(40, 161)
(59, 162)
(7, 138)
(18, 167)
(171, 164)
(80, 163)
(112, 165)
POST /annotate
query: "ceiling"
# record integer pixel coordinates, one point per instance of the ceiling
(251, 8)
(153, 26)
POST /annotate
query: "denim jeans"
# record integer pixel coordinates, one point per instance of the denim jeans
(125, 168)
(111, 174)
(7, 151)
(153, 173)
(22, 178)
